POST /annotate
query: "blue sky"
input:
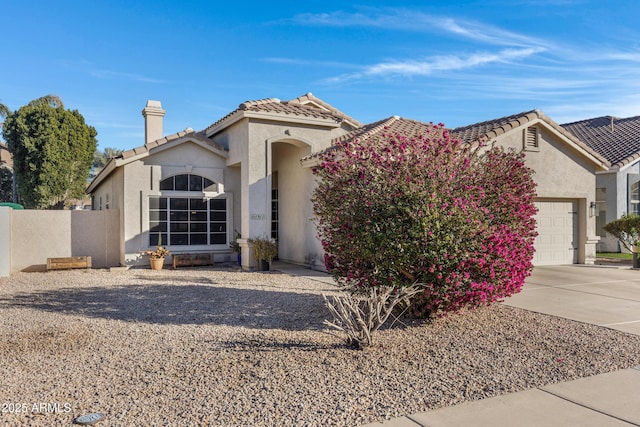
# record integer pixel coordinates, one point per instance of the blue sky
(453, 62)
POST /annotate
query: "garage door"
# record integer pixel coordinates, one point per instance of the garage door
(557, 241)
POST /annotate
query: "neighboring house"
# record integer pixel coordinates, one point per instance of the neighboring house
(618, 189)
(9, 190)
(251, 172)
(5, 156)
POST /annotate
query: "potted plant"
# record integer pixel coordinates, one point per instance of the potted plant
(156, 256)
(264, 250)
(235, 246)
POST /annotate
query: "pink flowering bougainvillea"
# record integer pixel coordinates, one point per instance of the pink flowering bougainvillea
(458, 219)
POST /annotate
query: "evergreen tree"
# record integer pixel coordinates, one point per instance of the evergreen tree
(52, 150)
(6, 175)
(6, 182)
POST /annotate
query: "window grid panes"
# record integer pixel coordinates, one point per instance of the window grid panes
(186, 182)
(185, 221)
(601, 218)
(274, 213)
(634, 200)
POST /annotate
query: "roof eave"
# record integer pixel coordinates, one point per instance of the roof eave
(145, 151)
(628, 162)
(262, 115)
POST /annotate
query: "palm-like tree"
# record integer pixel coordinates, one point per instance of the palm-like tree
(52, 100)
(4, 111)
(101, 158)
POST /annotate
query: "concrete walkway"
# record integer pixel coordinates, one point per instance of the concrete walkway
(603, 296)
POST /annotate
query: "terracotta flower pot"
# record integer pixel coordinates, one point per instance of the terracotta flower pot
(156, 263)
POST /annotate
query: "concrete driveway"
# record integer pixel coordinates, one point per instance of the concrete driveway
(604, 296)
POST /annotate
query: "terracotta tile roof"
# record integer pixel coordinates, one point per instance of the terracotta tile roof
(187, 132)
(303, 106)
(493, 128)
(616, 139)
(310, 99)
(488, 130)
(106, 171)
(392, 125)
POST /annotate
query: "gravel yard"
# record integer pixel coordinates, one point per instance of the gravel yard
(225, 348)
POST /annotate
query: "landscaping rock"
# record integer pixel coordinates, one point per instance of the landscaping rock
(221, 348)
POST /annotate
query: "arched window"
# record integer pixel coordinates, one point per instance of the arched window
(180, 220)
(186, 182)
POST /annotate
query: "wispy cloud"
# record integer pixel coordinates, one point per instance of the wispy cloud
(434, 64)
(307, 62)
(415, 21)
(621, 56)
(563, 79)
(511, 46)
(108, 74)
(625, 106)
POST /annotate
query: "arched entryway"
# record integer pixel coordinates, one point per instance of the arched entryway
(291, 210)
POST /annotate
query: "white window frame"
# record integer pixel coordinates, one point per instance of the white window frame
(204, 195)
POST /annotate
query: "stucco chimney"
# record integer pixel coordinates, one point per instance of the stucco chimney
(153, 114)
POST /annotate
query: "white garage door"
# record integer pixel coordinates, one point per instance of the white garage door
(557, 241)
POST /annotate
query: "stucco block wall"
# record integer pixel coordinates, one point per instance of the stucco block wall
(5, 241)
(38, 235)
(112, 189)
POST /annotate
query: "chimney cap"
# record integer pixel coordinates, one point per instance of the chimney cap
(153, 108)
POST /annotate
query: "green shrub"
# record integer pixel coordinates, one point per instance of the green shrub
(626, 229)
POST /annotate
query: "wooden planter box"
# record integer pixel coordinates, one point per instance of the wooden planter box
(67, 263)
(192, 260)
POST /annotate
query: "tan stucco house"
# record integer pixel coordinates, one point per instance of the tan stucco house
(250, 172)
(243, 173)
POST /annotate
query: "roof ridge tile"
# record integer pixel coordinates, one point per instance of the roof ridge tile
(248, 104)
